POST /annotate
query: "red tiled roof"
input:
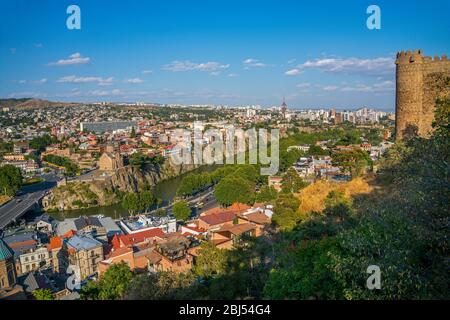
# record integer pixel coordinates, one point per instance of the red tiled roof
(257, 217)
(237, 229)
(136, 238)
(195, 228)
(119, 252)
(235, 208)
(218, 218)
(14, 245)
(55, 243)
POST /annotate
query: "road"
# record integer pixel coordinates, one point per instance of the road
(25, 199)
(206, 197)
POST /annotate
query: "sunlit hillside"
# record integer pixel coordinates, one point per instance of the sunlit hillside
(313, 196)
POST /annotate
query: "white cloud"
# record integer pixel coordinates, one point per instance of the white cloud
(293, 72)
(232, 75)
(330, 88)
(74, 79)
(376, 66)
(304, 85)
(181, 66)
(215, 73)
(73, 59)
(376, 87)
(27, 94)
(147, 71)
(134, 80)
(41, 81)
(104, 93)
(253, 63)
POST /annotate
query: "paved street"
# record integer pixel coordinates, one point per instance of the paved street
(25, 199)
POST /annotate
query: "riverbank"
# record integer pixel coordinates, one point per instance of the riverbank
(164, 190)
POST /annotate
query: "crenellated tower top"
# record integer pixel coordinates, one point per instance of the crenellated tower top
(416, 56)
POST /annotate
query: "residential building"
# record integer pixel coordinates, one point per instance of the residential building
(34, 259)
(173, 254)
(85, 253)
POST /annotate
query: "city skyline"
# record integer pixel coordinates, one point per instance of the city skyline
(251, 53)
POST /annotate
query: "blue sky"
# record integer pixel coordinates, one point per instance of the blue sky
(316, 53)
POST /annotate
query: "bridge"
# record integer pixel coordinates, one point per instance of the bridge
(28, 199)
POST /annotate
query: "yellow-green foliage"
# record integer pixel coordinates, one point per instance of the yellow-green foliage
(312, 198)
(4, 199)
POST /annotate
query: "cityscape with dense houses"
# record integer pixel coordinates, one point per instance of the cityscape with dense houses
(197, 196)
(80, 147)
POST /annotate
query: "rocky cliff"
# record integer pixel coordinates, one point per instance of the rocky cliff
(107, 190)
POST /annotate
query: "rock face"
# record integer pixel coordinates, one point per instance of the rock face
(106, 191)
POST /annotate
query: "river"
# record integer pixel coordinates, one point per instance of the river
(164, 190)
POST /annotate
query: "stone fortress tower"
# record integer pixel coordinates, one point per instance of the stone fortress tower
(419, 81)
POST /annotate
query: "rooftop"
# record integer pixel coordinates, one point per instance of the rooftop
(83, 242)
(5, 251)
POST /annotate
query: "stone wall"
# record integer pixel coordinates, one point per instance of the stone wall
(418, 85)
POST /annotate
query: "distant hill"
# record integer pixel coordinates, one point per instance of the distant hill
(30, 103)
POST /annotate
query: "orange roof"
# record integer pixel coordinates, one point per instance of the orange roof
(218, 218)
(69, 234)
(136, 238)
(235, 207)
(120, 251)
(239, 207)
(195, 228)
(55, 243)
(14, 245)
(257, 217)
(237, 229)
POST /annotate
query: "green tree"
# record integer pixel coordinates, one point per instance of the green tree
(130, 202)
(112, 284)
(181, 210)
(164, 286)
(317, 151)
(292, 182)
(286, 211)
(352, 161)
(146, 200)
(305, 273)
(10, 180)
(40, 143)
(266, 194)
(233, 189)
(43, 294)
(210, 261)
